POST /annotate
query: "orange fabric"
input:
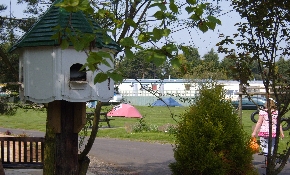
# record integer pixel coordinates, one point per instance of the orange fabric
(254, 145)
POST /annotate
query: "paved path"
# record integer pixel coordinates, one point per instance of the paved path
(146, 158)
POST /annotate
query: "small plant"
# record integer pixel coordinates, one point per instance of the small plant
(84, 134)
(168, 128)
(23, 135)
(142, 126)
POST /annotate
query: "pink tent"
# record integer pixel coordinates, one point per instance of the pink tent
(124, 110)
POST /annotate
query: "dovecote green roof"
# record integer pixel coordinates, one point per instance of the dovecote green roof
(40, 34)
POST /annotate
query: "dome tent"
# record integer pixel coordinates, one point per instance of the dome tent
(166, 102)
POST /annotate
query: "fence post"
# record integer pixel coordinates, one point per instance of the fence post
(240, 102)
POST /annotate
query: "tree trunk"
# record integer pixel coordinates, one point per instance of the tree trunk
(49, 146)
(49, 152)
(67, 142)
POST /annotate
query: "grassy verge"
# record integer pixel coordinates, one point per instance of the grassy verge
(156, 118)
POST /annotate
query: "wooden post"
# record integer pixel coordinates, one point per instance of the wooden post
(240, 102)
(67, 141)
(1, 168)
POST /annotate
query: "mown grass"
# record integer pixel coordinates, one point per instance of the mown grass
(121, 128)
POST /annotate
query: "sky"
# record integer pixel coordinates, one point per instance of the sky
(203, 41)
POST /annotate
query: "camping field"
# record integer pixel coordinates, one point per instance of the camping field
(155, 126)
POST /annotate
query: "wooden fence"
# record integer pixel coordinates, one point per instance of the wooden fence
(22, 152)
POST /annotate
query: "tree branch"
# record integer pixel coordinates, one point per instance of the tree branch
(94, 132)
(141, 17)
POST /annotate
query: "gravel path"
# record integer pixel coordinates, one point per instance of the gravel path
(96, 167)
(104, 168)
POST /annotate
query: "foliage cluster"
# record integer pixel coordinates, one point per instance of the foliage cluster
(210, 139)
(142, 126)
(7, 108)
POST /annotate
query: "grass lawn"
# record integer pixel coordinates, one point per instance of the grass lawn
(121, 128)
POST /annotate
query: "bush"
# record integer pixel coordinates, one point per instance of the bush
(7, 108)
(210, 140)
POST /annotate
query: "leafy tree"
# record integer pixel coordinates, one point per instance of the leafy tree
(227, 64)
(212, 57)
(206, 70)
(138, 68)
(8, 71)
(188, 61)
(261, 40)
(136, 26)
(283, 65)
(255, 70)
(192, 56)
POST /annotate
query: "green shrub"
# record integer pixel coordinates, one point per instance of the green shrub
(210, 140)
(7, 108)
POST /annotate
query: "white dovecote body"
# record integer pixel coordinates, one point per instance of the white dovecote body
(50, 73)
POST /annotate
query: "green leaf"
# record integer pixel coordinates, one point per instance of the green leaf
(173, 7)
(203, 6)
(84, 5)
(105, 62)
(199, 11)
(128, 41)
(129, 53)
(191, 2)
(166, 32)
(160, 5)
(106, 39)
(104, 54)
(91, 67)
(55, 36)
(157, 34)
(64, 44)
(143, 37)
(211, 25)
(170, 48)
(69, 5)
(100, 77)
(184, 49)
(72, 2)
(79, 46)
(159, 15)
(158, 59)
(194, 17)
(116, 77)
(131, 22)
(94, 58)
(83, 68)
(203, 27)
(88, 37)
(214, 20)
(190, 9)
(175, 62)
